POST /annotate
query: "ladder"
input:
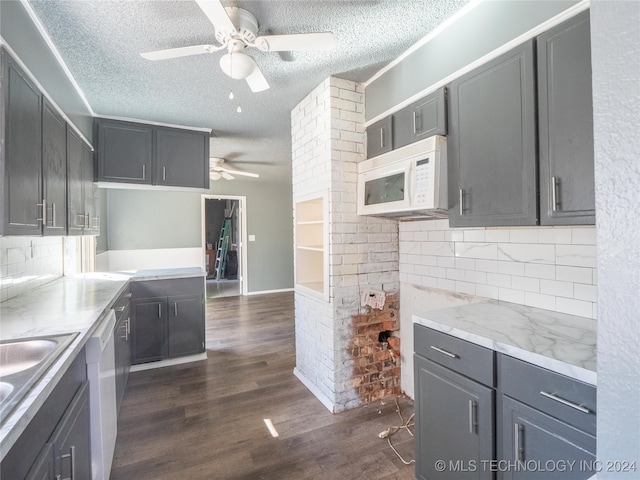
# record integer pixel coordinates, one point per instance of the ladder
(223, 248)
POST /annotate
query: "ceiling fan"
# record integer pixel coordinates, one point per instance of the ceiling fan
(236, 29)
(217, 170)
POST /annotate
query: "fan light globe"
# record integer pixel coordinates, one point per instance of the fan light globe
(237, 65)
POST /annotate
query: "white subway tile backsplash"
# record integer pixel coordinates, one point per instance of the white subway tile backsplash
(545, 267)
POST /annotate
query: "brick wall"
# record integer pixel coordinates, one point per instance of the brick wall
(327, 144)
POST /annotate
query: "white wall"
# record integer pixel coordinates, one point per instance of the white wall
(615, 51)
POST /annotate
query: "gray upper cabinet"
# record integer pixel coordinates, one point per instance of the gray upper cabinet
(492, 143)
(567, 192)
(54, 166)
(180, 155)
(132, 152)
(125, 152)
(422, 119)
(380, 137)
(82, 208)
(22, 160)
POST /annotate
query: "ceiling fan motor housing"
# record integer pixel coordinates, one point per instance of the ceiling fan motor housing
(245, 23)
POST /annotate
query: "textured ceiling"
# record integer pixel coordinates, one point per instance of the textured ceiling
(100, 42)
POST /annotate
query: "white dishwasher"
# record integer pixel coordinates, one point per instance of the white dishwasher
(102, 396)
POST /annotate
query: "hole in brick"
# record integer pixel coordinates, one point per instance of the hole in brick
(383, 337)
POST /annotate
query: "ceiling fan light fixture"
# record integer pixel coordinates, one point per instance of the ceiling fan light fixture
(237, 65)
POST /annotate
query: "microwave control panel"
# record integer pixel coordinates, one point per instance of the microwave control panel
(424, 182)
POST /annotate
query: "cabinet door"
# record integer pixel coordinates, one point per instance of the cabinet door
(492, 143)
(54, 167)
(534, 438)
(122, 346)
(22, 198)
(422, 119)
(380, 137)
(75, 192)
(72, 439)
(454, 423)
(43, 468)
(149, 330)
(567, 187)
(125, 152)
(182, 158)
(90, 193)
(186, 325)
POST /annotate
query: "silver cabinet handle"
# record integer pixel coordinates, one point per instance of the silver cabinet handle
(144, 172)
(553, 396)
(175, 308)
(517, 451)
(126, 329)
(159, 310)
(127, 322)
(164, 173)
(382, 138)
(53, 214)
(444, 352)
(461, 201)
(87, 220)
(43, 218)
(554, 194)
(414, 122)
(472, 417)
(72, 456)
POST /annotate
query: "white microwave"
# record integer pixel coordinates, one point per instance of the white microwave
(408, 182)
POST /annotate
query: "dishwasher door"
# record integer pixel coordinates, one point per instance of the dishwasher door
(102, 394)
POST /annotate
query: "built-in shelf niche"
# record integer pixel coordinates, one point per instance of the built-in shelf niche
(311, 244)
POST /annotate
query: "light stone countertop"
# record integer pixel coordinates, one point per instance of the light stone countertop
(563, 343)
(68, 305)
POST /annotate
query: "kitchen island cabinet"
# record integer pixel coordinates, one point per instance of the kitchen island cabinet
(168, 319)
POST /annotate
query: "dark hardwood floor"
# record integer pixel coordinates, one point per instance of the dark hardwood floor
(206, 420)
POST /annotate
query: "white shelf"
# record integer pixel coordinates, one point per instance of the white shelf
(313, 248)
(311, 258)
(311, 222)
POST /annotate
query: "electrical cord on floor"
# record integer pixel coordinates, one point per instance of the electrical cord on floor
(392, 430)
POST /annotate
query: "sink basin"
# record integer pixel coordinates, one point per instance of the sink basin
(5, 390)
(21, 355)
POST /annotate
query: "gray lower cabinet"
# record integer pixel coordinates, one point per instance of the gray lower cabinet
(168, 319)
(454, 410)
(58, 434)
(380, 137)
(567, 191)
(122, 344)
(139, 153)
(492, 164)
(547, 420)
(422, 119)
(21, 166)
(54, 166)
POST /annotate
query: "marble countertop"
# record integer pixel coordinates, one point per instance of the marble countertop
(563, 343)
(69, 305)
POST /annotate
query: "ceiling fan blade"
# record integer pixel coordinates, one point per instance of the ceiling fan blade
(215, 176)
(297, 41)
(256, 80)
(180, 52)
(217, 15)
(238, 172)
(227, 176)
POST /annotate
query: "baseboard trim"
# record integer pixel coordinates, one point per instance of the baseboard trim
(169, 362)
(313, 389)
(263, 292)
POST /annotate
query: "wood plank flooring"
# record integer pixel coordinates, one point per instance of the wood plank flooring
(205, 420)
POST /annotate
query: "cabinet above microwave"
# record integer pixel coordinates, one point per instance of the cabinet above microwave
(410, 182)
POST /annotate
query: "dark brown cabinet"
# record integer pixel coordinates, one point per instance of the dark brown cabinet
(567, 185)
(139, 153)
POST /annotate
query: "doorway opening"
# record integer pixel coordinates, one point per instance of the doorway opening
(224, 227)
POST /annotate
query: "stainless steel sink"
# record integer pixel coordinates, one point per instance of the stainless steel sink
(21, 355)
(23, 362)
